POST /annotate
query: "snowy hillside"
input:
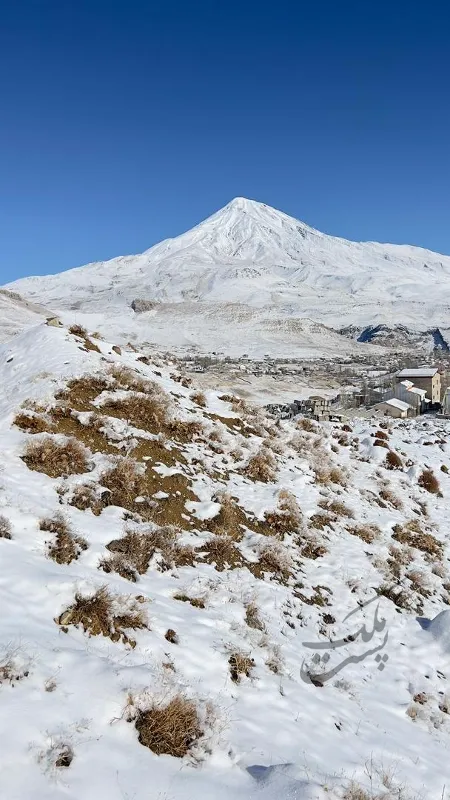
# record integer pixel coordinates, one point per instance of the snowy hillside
(249, 255)
(187, 590)
(16, 314)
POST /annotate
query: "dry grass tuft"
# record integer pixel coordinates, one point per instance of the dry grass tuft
(261, 467)
(273, 558)
(104, 614)
(131, 555)
(252, 617)
(56, 459)
(89, 495)
(427, 480)
(171, 728)
(337, 508)
(172, 636)
(199, 398)
(287, 518)
(366, 531)
(124, 482)
(388, 496)
(197, 602)
(393, 460)
(412, 534)
(240, 665)
(67, 546)
(308, 425)
(78, 330)
(32, 423)
(222, 552)
(5, 528)
(230, 520)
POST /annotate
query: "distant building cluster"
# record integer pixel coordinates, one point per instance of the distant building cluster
(414, 392)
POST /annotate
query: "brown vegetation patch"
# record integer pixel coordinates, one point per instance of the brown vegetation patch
(157, 451)
(380, 443)
(131, 555)
(231, 519)
(67, 546)
(306, 424)
(427, 480)
(66, 422)
(153, 413)
(199, 398)
(32, 423)
(252, 617)
(56, 459)
(273, 559)
(172, 636)
(104, 614)
(365, 531)
(261, 467)
(89, 496)
(222, 552)
(170, 728)
(197, 602)
(80, 393)
(388, 496)
(393, 460)
(321, 521)
(337, 508)
(399, 596)
(287, 518)
(412, 534)
(240, 665)
(318, 598)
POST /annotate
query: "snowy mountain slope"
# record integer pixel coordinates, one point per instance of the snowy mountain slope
(351, 528)
(16, 314)
(248, 253)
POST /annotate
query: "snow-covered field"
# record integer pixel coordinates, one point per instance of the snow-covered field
(252, 279)
(264, 554)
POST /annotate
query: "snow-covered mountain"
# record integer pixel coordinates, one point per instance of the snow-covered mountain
(254, 256)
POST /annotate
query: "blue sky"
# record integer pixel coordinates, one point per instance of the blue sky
(123, 123)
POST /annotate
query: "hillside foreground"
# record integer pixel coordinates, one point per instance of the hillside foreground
(167, 553)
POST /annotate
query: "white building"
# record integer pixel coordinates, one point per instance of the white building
(394, 408)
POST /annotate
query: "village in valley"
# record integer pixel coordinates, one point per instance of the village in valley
(322, 389)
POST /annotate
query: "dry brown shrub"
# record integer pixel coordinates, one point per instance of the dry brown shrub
(5, 528)
(287, 518)
(393, 460)
(124, 482)
(222, 552)
(309, 425)
(199, 398)
(321, 521)
(56, 459)
(32, 423)
(81, 392)
(252, 617)
(388, 496)
(172, 636)
(412, 534)
(131, 380)
(261, 467)
(380, 435)
(311, 547)
(230, 520)
(380, 443)
(273, 558)
(197, 602)
(240, 665)
(88, 495)
(366, 531)
(131, 555)
(444, 468)
(427, 480)
(67, 546)
(104, 614)
(399, 596)
(170, 728)
(274, 662)
(327, 473)
(78, 330)
(337, 508)
(419, 582)
(146, 412)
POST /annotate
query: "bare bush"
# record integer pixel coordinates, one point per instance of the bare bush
(67, 546)
(308, 425)
(393, 460)
(261, 467)
(199, 398)
(241, 664)
(170, 728)
(413, 535)
(336, 507)
(31, 423)
(252, 617)
(104, 614)
(365, 531)
(427, 480)
(55, 458)
(287, 518)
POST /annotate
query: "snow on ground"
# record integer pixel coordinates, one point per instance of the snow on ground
(370, 706)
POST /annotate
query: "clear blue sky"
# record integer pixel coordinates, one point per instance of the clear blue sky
(123, 123)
